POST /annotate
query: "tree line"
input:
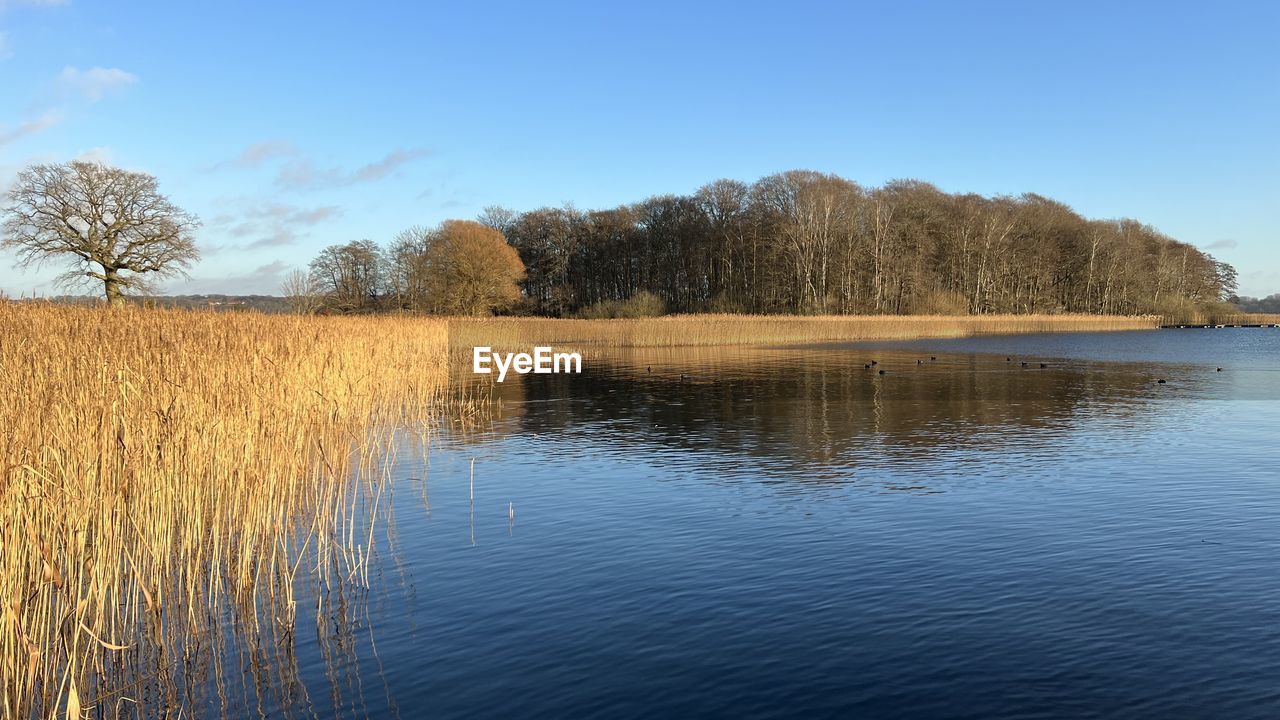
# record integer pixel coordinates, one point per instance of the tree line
(1269, 304)
(794, 242)
(805, 242)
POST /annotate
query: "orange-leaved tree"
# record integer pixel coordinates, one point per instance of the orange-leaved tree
(471, 270)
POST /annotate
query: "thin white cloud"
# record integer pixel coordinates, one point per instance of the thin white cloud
(259, 153)
(6, 49)
(270, 224)
(98, 154)
(1223, 244)
(303, 174)
(388, 165)
(265, 279)
(29, 127)
(95, 83)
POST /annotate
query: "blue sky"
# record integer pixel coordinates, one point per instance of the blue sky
(288, 127)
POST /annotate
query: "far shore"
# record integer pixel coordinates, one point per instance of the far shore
(708, 330)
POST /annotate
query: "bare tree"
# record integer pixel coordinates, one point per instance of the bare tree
(112, 225)
(350, 276)
(499, 218)
(300, 292)
(406, 267)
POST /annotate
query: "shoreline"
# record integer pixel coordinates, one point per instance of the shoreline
(766, 330)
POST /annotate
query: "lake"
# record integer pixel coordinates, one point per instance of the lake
(786, 533)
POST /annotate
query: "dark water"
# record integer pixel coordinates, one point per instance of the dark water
(783, 533)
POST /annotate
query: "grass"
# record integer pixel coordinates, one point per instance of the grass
(159, 465)
(705, 330)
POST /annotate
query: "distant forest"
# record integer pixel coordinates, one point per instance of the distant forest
(804, 242)
(1268, 304)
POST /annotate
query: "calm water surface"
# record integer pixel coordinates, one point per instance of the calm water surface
(786, 533)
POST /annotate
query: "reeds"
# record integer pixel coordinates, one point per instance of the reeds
(1218, 318)
(690, 330)
(156, 466)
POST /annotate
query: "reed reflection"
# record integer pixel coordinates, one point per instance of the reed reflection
(821, 409)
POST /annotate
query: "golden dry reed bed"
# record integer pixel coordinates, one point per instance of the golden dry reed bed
(689, 330)
(1224, 319)
(160, 465)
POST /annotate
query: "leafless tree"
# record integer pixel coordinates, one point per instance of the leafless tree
(407, 263)
(113, 226)
(499, 218)
(300, 292)
(350, 276)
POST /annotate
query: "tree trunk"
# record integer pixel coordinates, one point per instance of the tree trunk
(111, 284)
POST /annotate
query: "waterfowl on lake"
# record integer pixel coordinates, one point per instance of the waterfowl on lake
(1219, 369)
(1160, 381)
(1024, 364)
(881, 372)
(1043, 365)
(875, 362)
(868, 367)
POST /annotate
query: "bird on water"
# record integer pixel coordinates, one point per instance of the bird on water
(1160, 381)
